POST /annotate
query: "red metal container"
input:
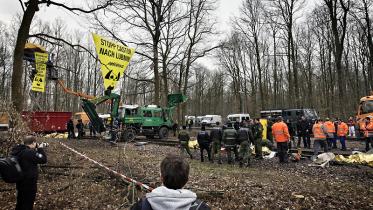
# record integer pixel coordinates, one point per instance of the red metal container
(47, 122)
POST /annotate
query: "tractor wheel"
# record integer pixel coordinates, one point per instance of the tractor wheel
(163, 133)
(129, 135)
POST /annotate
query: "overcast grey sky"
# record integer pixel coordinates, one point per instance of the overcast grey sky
(9, 8)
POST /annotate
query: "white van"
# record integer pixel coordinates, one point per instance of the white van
(211, 120)
(238, 117)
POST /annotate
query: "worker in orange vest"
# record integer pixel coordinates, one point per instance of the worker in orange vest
(368, 133)
(342, 131)
(280, 133)
(330, 129)
(319, 133)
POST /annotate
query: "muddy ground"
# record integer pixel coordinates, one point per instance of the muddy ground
(71, 182)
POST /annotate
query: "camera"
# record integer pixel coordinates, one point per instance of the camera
(42, 145)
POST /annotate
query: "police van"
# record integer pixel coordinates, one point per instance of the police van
(238, 117)
(290, 115)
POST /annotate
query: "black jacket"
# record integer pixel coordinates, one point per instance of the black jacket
(29, 159)
(203, 137)
(304, 127)
(216, 134)
(244, 134)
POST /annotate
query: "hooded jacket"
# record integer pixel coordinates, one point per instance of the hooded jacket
(29, 159)
(163, 198)
(168, 199)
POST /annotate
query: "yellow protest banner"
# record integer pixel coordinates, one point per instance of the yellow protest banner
(114, 58)
(38, 84)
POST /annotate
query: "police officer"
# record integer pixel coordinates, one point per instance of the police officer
(257, 130)
(204, 142)
(229, 141)
(243, 136)
(216, 136)
(29, 156)
(184, 142)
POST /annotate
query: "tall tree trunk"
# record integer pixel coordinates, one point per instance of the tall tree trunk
(22, 36)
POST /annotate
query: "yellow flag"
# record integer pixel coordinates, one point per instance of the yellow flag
(114, 58)
(38, 84)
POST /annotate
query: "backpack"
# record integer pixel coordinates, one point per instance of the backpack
(10, 169)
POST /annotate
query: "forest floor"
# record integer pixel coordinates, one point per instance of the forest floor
(69, 181)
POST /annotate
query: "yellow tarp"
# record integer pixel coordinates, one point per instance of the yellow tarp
(193, 144)
(359, 158)
(57, 135)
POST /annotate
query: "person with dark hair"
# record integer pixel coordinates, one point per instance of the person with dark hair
(243, 137)
(257, 131)
(175, 128)
(70, 129)
(204, 142)
(29, 156)
(216, 136)
(368, 133)
(80, 127)
(184, 142)
(174, 175)
(319, 133)
(229, 141)
(303, 127)
(92, 131)
(281, 135)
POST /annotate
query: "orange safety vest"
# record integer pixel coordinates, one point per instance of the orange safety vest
(342, 129)
(280, 132)
(330, 128)
(318, 132)
(368, 129)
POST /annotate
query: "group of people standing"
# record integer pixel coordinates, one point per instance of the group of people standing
(326, 134)
(234, 138)
(80, 127)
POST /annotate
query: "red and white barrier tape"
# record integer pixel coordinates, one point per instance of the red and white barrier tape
(126, 178)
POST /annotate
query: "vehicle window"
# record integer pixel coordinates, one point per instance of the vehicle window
(147, 114)
(234, 119)
(366, 107)
(298, 113)
(310, 113)
(157, 114)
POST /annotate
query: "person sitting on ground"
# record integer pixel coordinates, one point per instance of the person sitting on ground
(174, 176)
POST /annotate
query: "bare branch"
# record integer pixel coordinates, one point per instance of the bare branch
(48, 2)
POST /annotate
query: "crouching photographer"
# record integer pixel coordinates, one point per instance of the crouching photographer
(29, 155)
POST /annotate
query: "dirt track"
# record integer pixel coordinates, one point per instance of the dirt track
(71, 182)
